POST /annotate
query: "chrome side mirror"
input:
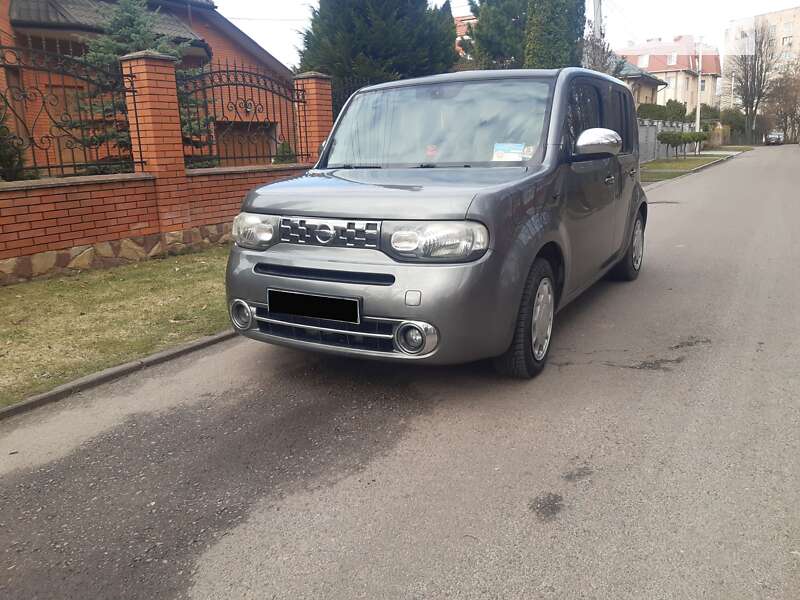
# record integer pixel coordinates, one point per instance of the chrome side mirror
(598, 141)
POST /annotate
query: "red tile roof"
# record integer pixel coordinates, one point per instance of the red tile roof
(683, 46)
(462, 23)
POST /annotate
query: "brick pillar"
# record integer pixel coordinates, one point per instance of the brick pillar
(6, 39)
(6, 31)
(318, 120)
(155, 125)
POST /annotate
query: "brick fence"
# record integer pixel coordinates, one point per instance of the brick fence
(53, 225)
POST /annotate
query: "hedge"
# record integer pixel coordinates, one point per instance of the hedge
(681, 139)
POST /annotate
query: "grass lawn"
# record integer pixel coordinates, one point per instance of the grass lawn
(660, 176)
(659, 170)
(679, 164)
(56, 330)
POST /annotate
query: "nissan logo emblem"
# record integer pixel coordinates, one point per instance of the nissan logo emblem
(324, 233)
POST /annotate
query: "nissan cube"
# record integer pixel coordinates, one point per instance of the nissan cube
(447, 220)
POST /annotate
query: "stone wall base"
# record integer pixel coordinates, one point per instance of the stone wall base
(111, 253)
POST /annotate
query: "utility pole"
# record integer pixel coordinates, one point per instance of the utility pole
(699, 90)
(597, 24)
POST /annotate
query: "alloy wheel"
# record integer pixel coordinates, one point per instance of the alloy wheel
(638, 244)
(542, 324)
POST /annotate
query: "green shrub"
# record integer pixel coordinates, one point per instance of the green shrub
(656, 112)
(676, 111)
(681, 139)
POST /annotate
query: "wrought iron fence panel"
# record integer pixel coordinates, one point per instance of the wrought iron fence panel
(60, 116)
(344, 87)
(239, 116)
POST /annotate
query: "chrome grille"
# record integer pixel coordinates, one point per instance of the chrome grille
(330, 232)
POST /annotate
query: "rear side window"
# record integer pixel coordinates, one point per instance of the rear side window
(618, 119)
(585, 112)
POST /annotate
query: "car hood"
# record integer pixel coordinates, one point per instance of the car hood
(442, 193)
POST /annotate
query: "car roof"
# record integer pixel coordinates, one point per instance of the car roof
(552, 74)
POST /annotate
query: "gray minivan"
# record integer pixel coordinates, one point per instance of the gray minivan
(447, 220)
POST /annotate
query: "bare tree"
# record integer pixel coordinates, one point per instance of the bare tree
(783, 102)
(753, 71)
(598, 55)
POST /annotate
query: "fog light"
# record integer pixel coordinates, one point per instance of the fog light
(416, 338)
(241, 316)
(413, 338)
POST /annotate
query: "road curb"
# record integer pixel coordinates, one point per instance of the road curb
(658, 184)
(110, 374)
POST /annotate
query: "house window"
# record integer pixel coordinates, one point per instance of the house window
(773, 29)
(786, 56)
(702, 85)
(787, 41)
(644, 61)
(672, 59)
(787, 28)
(687, 83)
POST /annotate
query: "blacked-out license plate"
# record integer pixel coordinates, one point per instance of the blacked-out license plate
(315, 307)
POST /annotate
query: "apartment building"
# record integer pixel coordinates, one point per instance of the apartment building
(676, 62)
(784, 30)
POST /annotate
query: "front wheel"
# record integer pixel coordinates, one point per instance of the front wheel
(527, 355)
(629, 267)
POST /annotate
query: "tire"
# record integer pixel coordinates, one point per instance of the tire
(520, 360)
(630, 266)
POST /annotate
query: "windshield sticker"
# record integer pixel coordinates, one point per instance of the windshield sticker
(508, 152)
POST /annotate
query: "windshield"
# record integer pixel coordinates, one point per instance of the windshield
(475, 123)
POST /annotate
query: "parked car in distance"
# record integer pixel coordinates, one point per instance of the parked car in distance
(774, 138)
(448, 219)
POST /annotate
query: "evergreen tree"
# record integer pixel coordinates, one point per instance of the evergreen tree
(102, 108)
(130, 28)
(284, 154)
(675, 111)
(707, 113)
(379, 40)
(497, 41)
(555, 33)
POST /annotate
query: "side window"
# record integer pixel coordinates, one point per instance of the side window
(585, 112)
(618, 120)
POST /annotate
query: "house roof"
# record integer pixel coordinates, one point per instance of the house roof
(92, 15)
(88, 15)
(685, 49)
(631, 71)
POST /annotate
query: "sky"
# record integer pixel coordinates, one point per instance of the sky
(276, 24)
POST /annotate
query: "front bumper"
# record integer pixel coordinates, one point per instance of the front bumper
(470, 306)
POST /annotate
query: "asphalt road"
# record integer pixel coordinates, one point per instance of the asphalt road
(657, 457)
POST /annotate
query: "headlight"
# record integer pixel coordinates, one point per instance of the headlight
(435, 241)
(257, 232)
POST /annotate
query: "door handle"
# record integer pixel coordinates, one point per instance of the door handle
(610, 180)
(632, 172)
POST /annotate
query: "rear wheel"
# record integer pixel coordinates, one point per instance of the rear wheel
(527, 355)
(631, 264)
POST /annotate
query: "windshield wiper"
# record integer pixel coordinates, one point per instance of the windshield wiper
(437, 166)
(356, 167)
